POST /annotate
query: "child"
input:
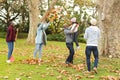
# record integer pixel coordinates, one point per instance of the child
(74, 27)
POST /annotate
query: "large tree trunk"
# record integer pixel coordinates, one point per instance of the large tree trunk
(34, 19)
(109, 21)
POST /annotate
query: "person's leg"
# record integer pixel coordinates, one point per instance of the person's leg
(40, 51)
(71, 53)
(10, 49)
(88, 54)
(75, 39)
(36, 50)
(95, 54)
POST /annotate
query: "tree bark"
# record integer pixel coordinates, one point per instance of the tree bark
(33, 19)
(109, 21)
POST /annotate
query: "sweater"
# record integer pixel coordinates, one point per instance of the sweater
(11, 34)
(92, 35)
(40, 30)
(69, 35)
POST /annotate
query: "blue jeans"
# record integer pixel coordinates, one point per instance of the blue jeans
(38, 48)
(75, 37)
(88, 51)
(10, 49)
(71, 53)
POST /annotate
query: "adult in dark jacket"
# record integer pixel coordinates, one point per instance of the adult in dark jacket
(10, 38)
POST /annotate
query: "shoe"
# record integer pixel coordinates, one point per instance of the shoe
(78, 47)
(95, 70)
(8, 61)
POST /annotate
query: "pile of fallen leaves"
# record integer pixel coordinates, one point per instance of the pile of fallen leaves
(31, 61)
(109, 78)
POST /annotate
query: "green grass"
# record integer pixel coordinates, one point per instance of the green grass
(53, 67)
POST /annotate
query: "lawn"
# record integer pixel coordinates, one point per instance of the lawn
(53, 67)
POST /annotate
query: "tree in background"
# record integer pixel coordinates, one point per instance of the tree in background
(108, 15)
(12, 11)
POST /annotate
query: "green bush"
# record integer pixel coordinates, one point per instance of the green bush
(61, 37)
(2, 34)
(20, 35)
(56, 37)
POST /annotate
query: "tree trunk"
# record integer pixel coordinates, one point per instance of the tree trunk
(109, 21)
(34, 19)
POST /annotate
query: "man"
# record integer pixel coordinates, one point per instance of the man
(92, 35)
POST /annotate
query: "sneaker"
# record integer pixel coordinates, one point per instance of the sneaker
(8, 61)
(95, 70)
(78, 47)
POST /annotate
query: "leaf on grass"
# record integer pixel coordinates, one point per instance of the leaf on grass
(108, 78)
(78, 77)
(22, 74)
(6, 77)
(43, 75)
(17, 78)
(59, 77)
(91, 76)
(64, 72)
(70, 78)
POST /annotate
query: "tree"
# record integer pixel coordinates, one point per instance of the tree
(13, 10)
(9, 11)
(108, 15)
(34, 19)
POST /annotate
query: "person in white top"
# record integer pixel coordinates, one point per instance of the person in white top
(74, 27)
(92, 35)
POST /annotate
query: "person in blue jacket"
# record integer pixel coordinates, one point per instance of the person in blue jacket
(40, 39)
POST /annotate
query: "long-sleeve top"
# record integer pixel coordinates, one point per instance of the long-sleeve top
(69, 35)
(74, 27)
(40, 30)
(92, 35)
(11, 34)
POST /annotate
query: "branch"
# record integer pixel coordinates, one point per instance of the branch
(48, 11)
(2, 21)
(3, 16)
(14, 17)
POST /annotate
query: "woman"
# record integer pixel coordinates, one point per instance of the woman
(40, 39)
(92, 35)
(10, 38)
(69, 43)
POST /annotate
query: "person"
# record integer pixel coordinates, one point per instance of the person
(75, 25)
(40, 39)
(10, 39)
(92, 35)
(69, 43)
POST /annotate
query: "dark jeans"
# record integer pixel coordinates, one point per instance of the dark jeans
(71, 53)
(10, 49)
(88, 51)
(75, 37)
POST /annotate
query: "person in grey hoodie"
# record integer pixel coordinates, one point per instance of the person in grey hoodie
(92, 35)
(69, 43)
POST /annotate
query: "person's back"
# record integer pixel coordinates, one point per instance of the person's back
(92, 35)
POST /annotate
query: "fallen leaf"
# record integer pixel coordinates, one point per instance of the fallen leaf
(59, 77)
(91, 76)
(6, 77)
(17, 78)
